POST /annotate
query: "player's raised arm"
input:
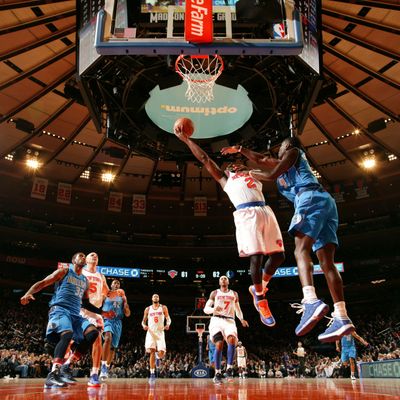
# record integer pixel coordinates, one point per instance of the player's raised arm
(167, 318)
(145, 317)
(288, 159)
(258, 158)
(38, 286)
(360, 339)
(127, 310)
(239, 312)
(209, 307)
(215, 171)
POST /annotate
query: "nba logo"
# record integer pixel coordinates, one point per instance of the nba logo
(279, 31)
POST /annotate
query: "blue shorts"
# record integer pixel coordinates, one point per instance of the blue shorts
(347, 353)
(115, 327)
(61, 320)
(315, 215)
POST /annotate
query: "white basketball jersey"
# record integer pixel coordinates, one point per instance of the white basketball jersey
(240, 351)
(242, 188)
(226, 300)
(95, 287)
(155, 318)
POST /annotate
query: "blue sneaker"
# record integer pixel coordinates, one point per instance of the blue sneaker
(312, 313)
(94, 381)
(337, 327)
(152, 378)
(262, 307)
(158, 361)
(103, 372)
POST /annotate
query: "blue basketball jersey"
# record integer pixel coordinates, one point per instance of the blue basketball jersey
(69, 291)
(348, 341)
(115, 302)
(297, 177)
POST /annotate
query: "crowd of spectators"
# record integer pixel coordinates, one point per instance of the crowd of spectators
(23, 350)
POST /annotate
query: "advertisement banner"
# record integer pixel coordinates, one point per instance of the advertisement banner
(199, 21)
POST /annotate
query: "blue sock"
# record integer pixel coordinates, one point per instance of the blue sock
(218, 358)
(231, 354)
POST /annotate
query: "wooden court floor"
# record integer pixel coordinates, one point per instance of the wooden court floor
(204, 389)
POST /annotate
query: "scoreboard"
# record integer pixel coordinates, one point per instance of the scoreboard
(194, 274)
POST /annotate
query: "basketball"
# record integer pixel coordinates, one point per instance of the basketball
(184, 125)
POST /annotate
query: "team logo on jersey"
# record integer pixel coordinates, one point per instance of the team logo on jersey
(279, 242)
(172, 274)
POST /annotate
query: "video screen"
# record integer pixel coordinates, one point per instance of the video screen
(152, 6)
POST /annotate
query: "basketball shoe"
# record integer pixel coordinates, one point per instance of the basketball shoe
(152, 378)
(66, 375)
(94, 381)
(229, 375)
(53, 380)
(311, 314)
(262, 307)
(103, 372)
(218, 378)
(337, 327)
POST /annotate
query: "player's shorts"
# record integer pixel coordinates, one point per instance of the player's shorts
(115, 327)
(316, 216)
(347, 353)
(226, 326)
(155, 340)
(60, 320)
(91, 318)
(257, 231)
(241, 362)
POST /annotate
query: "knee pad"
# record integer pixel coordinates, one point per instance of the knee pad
(218, 337)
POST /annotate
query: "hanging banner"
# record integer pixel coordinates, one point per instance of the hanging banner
(39, 188)
(139, 204)
(200, 206)
(115, 202)
(338, 193)
(64, 193)
(361, 189)
(199, 21)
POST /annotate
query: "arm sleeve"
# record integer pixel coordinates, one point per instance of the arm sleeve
(87, 305)
(238, 311)
(209, 309)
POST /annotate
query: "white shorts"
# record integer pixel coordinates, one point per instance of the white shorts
(241, 362)
(257, 231)
(155, 341)
(226, 326)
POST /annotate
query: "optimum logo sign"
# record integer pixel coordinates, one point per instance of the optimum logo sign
(229, 111)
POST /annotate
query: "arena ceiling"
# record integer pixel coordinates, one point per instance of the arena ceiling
(39, 118)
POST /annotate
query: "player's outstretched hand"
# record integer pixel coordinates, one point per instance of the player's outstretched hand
(166, 328)
(145, 327)
(245, 324)
(230, 150)
(259, 175)
(26, 298)
(180, 135)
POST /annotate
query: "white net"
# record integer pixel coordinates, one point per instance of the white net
(200, 73)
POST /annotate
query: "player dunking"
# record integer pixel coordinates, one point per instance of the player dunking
(349, 351)
(257, 230)
(65, 321)
(155, 321)
(314, 226)
(115, 307)
(223, 304)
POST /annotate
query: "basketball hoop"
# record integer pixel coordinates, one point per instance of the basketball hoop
(200, 73)
(200, 328)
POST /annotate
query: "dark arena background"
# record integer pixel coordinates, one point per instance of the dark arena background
(89, 163)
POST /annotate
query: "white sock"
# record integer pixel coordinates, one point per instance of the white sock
(55, 366)
(94, 371)
(217, 371)
(152, 370)
(340, 309)
(265, 282)
(309, 295)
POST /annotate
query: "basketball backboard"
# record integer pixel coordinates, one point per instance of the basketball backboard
(157, 28)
